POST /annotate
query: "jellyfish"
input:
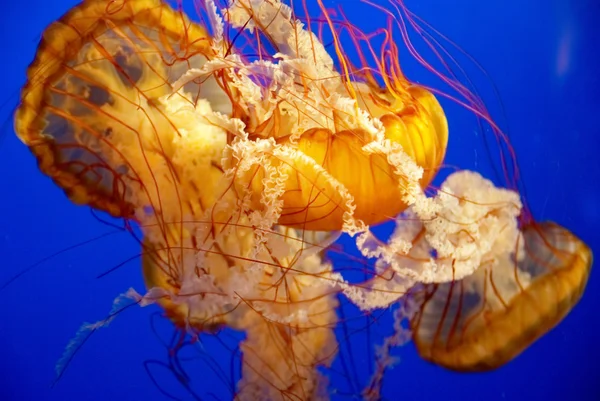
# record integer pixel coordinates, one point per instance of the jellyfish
(243, 148)
(486, 319)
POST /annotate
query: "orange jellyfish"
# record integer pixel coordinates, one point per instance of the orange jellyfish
(486, 319)
(242, 146)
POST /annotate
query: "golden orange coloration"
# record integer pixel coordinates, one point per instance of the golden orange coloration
(140, 66)
(241, 148)
(485, 320)
(280, 356)
(155, 276)
(101, 113)
(422, 130)
(94, 66)
(312, 202)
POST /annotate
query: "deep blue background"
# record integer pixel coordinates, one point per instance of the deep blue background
(542, 56)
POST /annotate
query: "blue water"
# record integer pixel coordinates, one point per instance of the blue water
(542, 57)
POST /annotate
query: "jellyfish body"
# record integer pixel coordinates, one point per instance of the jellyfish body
(487, 319)
(90, 110)
(312, 200)
(242, 169)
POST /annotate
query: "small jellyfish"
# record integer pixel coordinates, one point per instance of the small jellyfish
(514, 296)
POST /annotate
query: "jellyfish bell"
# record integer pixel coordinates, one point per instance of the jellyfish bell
(486, 319)
(93, 110)
(312, 199)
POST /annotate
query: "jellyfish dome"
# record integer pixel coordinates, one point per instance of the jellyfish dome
(243, 145)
